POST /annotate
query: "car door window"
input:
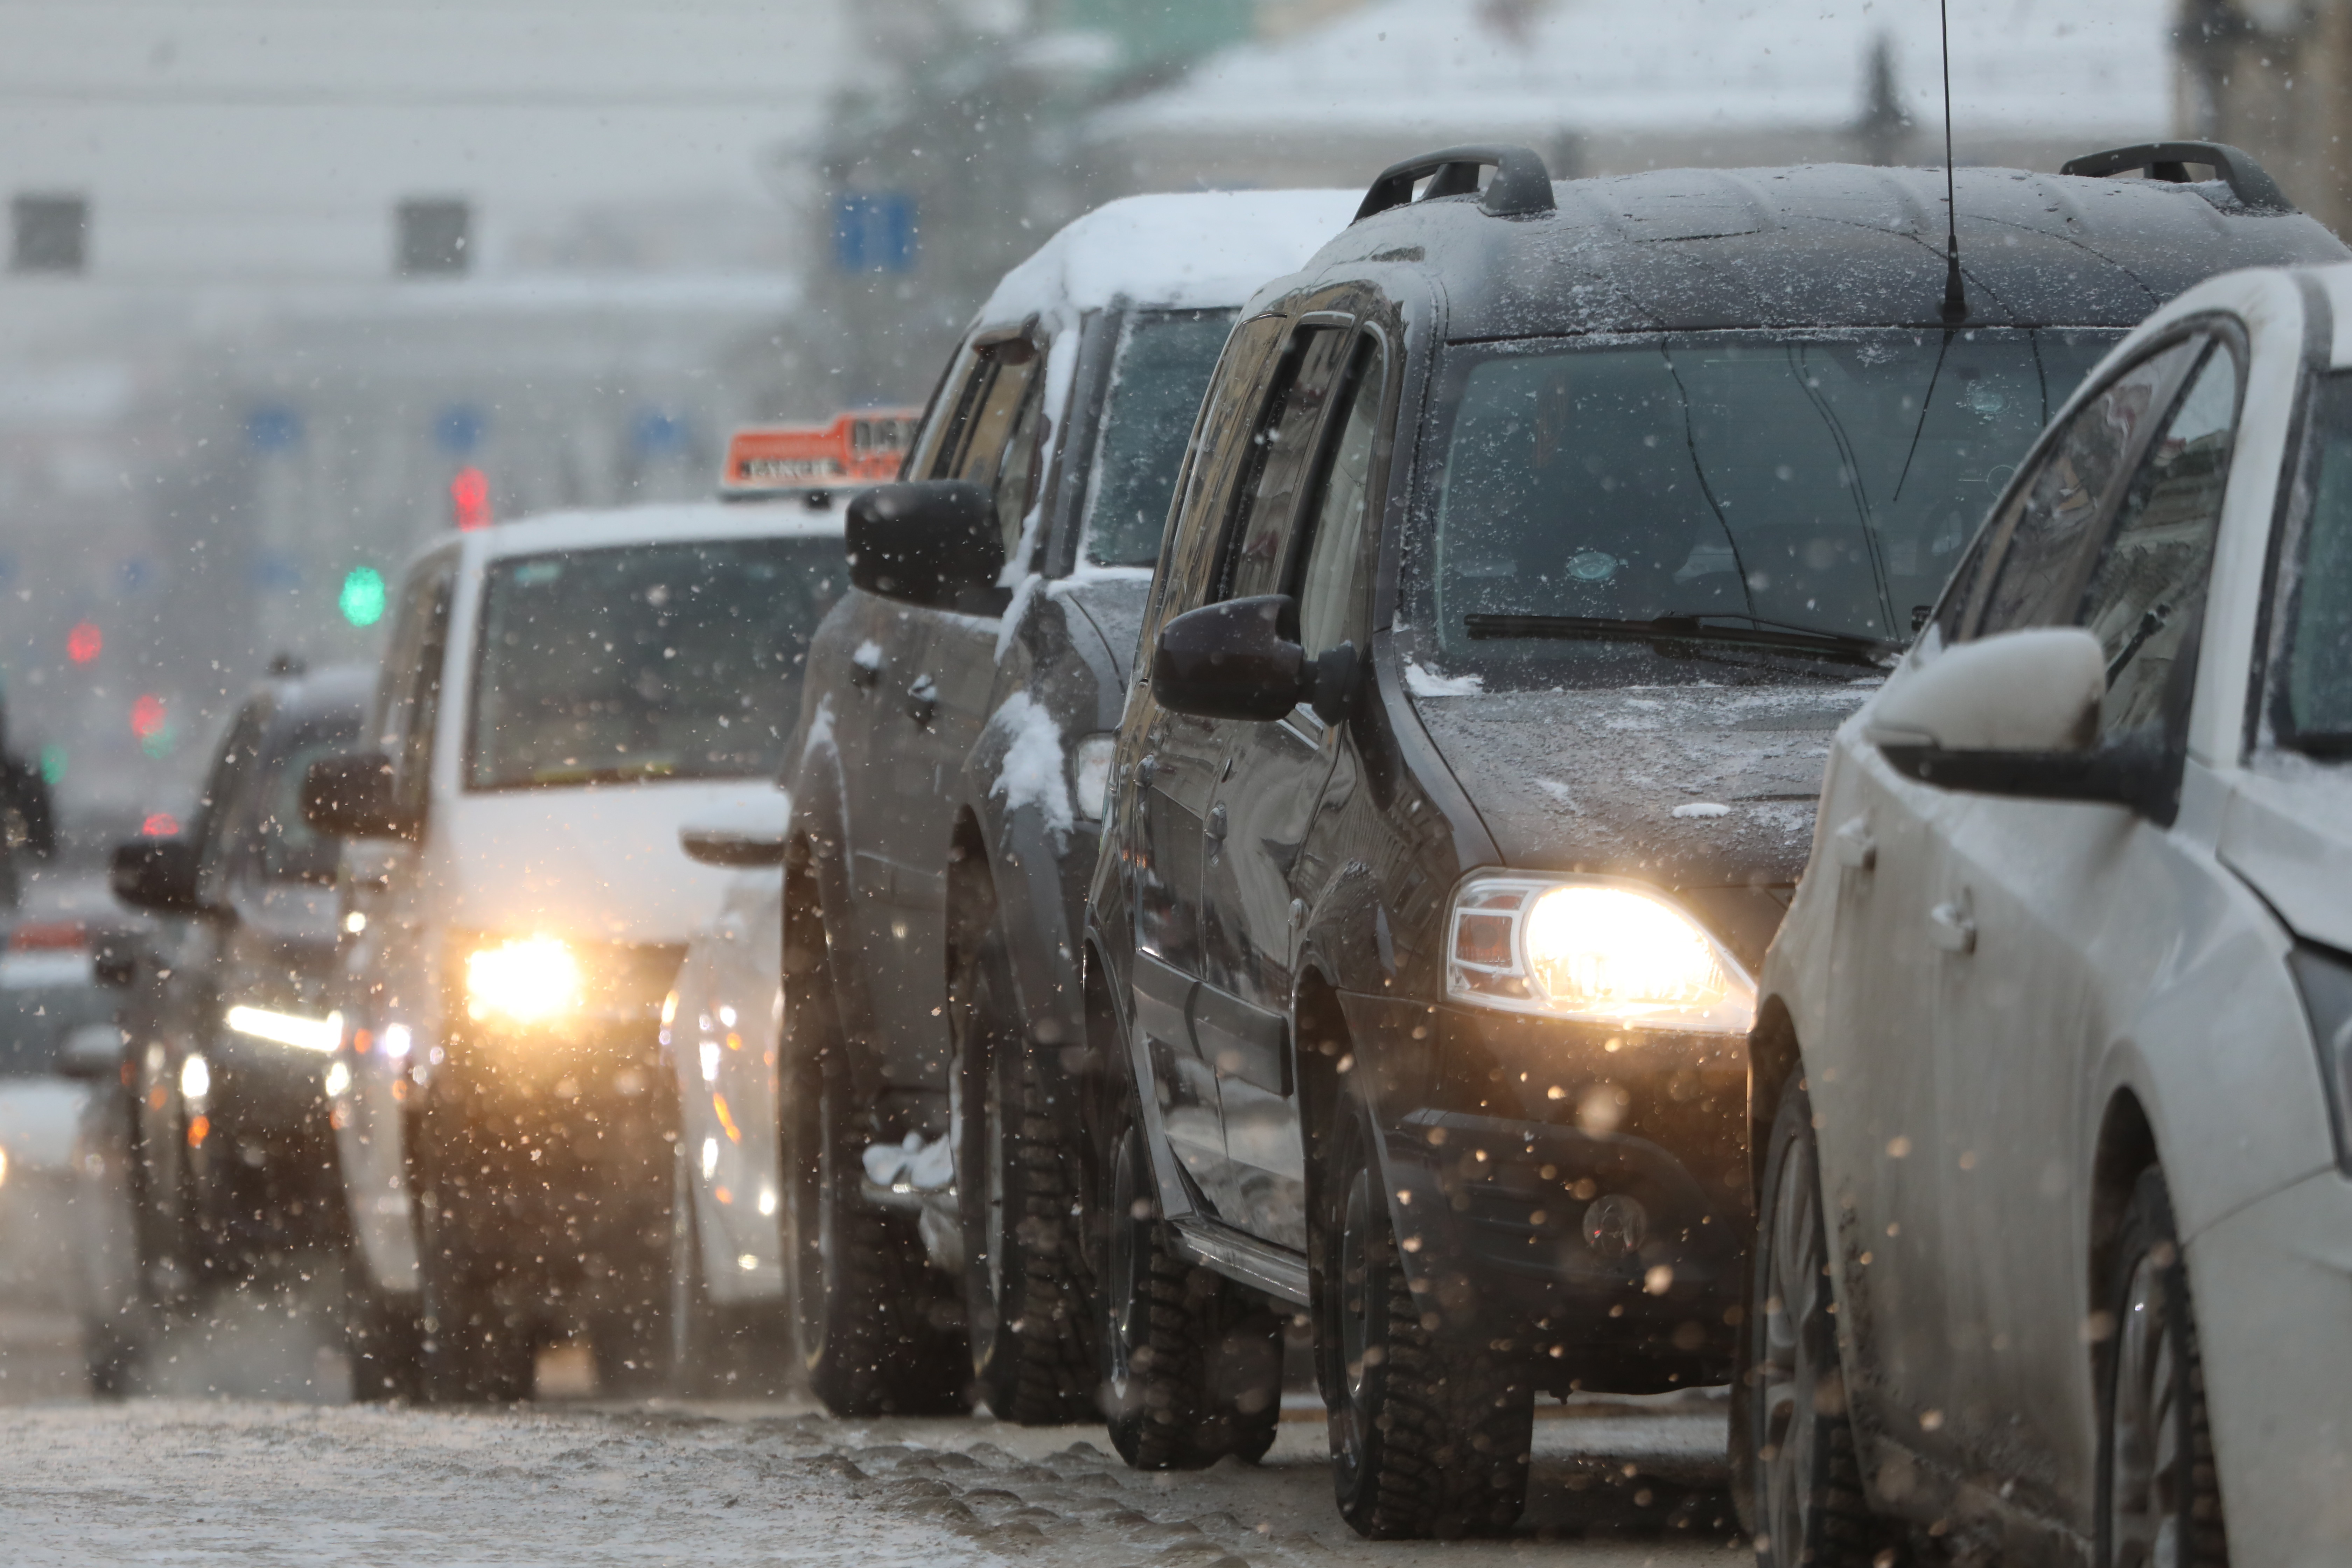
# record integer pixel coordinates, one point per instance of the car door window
(998, 445)
(1257, 556)
(225, 803)
(2146, 592)
(1334, 546)
(410, 702)
(2040, 544)
(1214, 468)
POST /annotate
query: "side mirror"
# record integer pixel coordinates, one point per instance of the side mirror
(157, 874)
(92, 1053)
(2016, 714)
(349, 796)
(1236, 660)
(928, 541)
(734, 845)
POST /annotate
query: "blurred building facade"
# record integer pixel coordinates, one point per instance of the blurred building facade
(2274, 76)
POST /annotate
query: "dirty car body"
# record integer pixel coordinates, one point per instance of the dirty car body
(1608, 502)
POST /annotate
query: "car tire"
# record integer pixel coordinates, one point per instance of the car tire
(876, 1330)
(2159, 1490)
(1430, 1427)
(113, 1351)
(1191, 1362)
(1807, 1502)
(384, 1338)
(1021, 1172)
(475, 1349)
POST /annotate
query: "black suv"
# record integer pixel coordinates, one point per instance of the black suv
(228, 1020)
(1532, 542)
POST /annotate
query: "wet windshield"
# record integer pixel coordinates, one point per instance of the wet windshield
(648, 662)
(285, 848)
(1164, 365)
(2316, 708)
(1691, 507)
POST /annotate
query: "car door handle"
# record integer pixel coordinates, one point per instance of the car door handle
(922, 699)
(1952, 926)
(1856, 849)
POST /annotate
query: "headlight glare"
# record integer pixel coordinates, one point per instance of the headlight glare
(526, 981)
(1592, 950)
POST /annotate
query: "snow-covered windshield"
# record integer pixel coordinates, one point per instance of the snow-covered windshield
(646, 662)
(2314, 710)
(1713, 505)
(1162, 368)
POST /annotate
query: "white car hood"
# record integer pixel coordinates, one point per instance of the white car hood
(600, 864)
(2288, 832)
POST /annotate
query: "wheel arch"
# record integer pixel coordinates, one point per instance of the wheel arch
(2126, 1149)
(1774, 1053)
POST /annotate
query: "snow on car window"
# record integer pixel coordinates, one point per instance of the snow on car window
(662, 661)
(1817, 487)
(1164, 360)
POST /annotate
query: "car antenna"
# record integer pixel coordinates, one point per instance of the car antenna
(1956, 298)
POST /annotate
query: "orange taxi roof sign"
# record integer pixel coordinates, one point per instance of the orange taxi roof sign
(862, 447)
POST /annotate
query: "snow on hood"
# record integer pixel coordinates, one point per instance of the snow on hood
(2055, 68)
(2288, 831)
(599, 865)
(1686, 787)
(1199, 250)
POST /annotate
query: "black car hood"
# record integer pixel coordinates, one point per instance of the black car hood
(1687, 786)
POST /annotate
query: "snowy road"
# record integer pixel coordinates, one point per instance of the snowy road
(206, 1481)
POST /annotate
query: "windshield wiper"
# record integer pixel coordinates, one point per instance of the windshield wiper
(1753, 631)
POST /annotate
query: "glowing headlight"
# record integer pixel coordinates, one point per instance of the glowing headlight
(1090, 774)
(195, 1079)
(1598, 952)
(525, 981)
(321, 1035)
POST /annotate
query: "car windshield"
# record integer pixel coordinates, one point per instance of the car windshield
(2314, 708)
(1713, 506)
(653, 661)
(1162, 367)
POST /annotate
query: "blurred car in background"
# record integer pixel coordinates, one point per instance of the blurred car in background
(559, 696)
(61, 1060)
(227, 1014)
(947, 785)
(721, 1028)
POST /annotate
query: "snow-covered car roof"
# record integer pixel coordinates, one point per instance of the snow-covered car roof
(1199, 250)
(1822, 244)
(587, 530)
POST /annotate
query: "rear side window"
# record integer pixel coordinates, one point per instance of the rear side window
(2313, 705)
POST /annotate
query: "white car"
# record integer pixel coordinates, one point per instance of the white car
(721, 1027)
(561, 695)
(2055, 1253)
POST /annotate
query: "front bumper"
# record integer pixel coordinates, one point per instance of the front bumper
(264, 1169)
(1592, 1199)
(2272, 1289)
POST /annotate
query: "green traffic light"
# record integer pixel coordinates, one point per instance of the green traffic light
(363, 596)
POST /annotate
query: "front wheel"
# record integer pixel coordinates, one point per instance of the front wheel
(873, 1327)
(1191, 1361)
(1800, 1459)
(2159, 1492)
(1019, 1168)
(384, 1338)
(1430, 1425)
(475, 1349)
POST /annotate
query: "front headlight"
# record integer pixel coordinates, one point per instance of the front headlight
(525, 981)
(1091, 775)
(2325, 978)
(1595, 951)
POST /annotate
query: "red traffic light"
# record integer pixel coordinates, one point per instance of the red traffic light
(85, 642)
(469, 499)
(147, 716)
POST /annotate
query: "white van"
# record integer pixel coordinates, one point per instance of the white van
(559, 696)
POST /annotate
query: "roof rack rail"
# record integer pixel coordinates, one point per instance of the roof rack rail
(1521, 186)
(2170, 160)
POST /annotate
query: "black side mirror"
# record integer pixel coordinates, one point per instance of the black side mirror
(928, 541)
(114, 958)
(349, 796)
(1239, 659)
(157, 874)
